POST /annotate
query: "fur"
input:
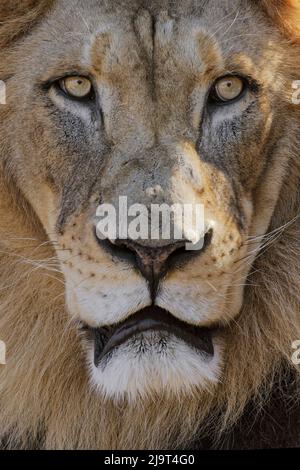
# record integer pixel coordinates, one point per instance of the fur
(46, 399)
(287, 16)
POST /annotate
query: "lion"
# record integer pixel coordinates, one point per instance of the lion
(118, 343)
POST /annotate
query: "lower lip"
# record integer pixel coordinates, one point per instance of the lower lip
(155, 319)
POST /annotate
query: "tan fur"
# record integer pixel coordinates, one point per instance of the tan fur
(20, 17)
(287, 14)
(48, 397)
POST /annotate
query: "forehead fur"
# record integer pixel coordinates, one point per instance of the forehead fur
(17, 18)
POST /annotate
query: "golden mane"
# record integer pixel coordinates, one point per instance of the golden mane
(286, 13)
(48, 401)
(18, 17)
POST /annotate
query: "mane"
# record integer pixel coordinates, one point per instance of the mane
(17, 18)
(48, 401)
(286, 13)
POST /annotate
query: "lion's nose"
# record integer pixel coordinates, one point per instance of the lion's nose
(152, 262)
(155, 262)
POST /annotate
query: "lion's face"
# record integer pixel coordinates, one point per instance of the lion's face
(161, 108)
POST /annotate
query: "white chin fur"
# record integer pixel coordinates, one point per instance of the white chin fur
(141, 367)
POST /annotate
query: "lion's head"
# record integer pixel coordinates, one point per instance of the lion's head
(159, 103)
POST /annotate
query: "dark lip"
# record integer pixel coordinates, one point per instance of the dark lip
(154, 318)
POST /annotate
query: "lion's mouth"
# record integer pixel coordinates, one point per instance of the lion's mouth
(150, 319)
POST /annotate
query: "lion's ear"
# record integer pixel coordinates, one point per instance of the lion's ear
(17, 17)
(286, 13)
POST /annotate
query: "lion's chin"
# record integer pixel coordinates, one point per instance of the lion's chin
(151, 363)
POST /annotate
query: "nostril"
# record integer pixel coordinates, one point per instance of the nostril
(117, 249)
(154, 262)
(169, 256)
(182, 255)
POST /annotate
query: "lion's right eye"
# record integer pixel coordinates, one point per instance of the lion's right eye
(76, 87)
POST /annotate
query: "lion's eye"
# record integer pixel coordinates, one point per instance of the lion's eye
(76, 87)
(229, 88)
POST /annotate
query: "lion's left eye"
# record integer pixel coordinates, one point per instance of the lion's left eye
(76, 87)
(228, 88)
